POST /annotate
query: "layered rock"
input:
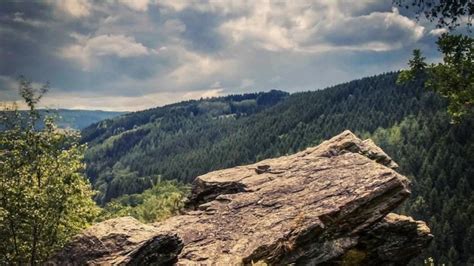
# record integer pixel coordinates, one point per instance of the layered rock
(393, 241)
(120, 241)
(326, 204)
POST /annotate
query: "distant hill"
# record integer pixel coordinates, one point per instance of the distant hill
(127, 154)
(79, 119)
(74, 119)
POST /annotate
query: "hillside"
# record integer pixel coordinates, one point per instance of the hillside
(181, 141)
(79, 119)
(127, 154)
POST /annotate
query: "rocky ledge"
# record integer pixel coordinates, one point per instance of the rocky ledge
(328, 204)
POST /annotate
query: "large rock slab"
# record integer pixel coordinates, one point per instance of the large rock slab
(305, 207)
(325, 204)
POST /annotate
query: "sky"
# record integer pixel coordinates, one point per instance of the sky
(128, 55)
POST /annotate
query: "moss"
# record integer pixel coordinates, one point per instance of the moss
(353, 257)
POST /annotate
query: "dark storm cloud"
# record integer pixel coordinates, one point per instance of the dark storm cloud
(135, 54)
(201, 30)
(387, 29)
(31, 35)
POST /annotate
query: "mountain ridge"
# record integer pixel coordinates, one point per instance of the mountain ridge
(145, 144)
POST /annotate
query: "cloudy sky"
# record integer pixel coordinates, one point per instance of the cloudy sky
(136, 54)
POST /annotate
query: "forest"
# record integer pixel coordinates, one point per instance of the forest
(131, 153)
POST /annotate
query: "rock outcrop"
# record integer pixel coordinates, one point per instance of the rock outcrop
(327, 204)
(120, 241)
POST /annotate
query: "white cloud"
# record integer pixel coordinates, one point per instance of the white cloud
(203, 94)
(175, 5)
(137, 5)
(19, 18)
(438, 32)
(91, 101)
(247, 83)
(117, 103)
(222, 7)
(178, 49)
(377, 31)
(319, 27)
(87, 48)
(84, 8)
(119, 45)
(195, 70)
(108, 102)
(75, 8)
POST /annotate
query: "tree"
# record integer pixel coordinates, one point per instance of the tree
(44, 197)
(164, 199)
(446, 13)
(417, 67)
(453, 78)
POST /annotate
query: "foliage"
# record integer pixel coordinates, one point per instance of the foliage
(439, 159)
(453, 78)
(446, 13)
(417, 68)
(44, 197)
(164, 199)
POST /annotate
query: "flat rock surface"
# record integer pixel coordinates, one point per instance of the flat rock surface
(327, 204)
